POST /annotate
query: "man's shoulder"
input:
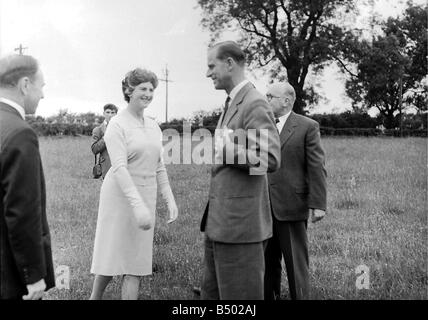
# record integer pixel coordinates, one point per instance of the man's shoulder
(10, 114)
(304, 120)
(15, 133)
(10, 122)
(97, 129)
(254, 94)
(253, 98)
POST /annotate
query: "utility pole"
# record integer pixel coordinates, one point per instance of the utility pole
(166, 80)
(400, 97)
(21, 49)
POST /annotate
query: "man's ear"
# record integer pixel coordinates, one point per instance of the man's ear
(23, 85)
(230, 63)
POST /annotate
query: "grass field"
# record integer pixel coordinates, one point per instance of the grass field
(377, 202)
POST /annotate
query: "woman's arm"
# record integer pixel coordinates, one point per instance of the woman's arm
(115, 141)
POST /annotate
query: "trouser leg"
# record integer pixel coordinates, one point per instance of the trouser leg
(294, 246)
(273, 269)
(209, 288)
(240, 270)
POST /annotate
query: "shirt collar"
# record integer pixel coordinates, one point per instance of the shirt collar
(284, 117)
(14, 105)
(237, 88)
(282, 120)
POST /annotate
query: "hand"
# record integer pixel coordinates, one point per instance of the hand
(143, 217)
(218, 148)
(173, 211)
(221, 141)
(35, 290)
(316, 215)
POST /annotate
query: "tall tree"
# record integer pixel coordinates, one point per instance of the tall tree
(392, 66)
(413, 29)
(299, 35)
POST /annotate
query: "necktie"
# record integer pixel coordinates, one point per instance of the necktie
(226, 104)
(276, 122)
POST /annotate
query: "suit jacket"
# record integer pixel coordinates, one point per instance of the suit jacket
(238, 210)
(99, 147)
(300, 183)
(25, 249)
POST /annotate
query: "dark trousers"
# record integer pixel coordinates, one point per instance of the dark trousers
(233, 271)
(290, 241)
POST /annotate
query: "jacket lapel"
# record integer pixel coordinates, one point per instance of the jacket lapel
(288, 129)
(234, 104)
(220, 120)
(8, 108)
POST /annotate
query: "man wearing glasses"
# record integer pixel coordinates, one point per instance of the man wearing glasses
(297, 190)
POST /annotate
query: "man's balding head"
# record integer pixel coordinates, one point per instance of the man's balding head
(21, 81)
(281, 96)
(15, 67)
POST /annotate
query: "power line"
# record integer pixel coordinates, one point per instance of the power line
(21, 49)
(166, 80)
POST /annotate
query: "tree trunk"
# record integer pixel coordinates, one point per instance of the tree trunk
(294, 75)
(389, 120)
(299, 105)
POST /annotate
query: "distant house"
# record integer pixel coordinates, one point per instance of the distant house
(381, 127)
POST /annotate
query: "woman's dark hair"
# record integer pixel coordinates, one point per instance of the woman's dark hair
(134, 78)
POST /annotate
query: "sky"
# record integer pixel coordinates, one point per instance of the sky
(85, 48)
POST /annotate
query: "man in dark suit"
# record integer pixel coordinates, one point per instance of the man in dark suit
(237, 219)
(26, 267)
(297, 191)
(98, 145)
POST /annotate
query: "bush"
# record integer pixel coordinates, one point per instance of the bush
(366, 132)
(406, 133)
(346, 119)
(59, 129)
(343, 124)
(371, 132)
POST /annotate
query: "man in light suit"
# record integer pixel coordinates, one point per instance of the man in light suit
(297, 191)
(98, 145)
(26, 267)
(237, 219)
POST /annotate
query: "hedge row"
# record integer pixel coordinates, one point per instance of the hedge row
(371, 132)
(56, 129)
(59, 129)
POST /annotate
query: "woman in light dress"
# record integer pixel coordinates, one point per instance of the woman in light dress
(126, 214)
